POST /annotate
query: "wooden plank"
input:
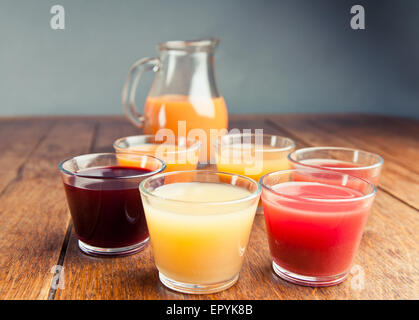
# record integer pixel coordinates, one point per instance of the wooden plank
(395, 178)
(111, 129)
(109, 278)
(18, 139)
(264, 122)
(396, 140)
(33, 213)
(387, 254)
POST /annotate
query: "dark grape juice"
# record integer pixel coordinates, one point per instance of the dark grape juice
(106, 207)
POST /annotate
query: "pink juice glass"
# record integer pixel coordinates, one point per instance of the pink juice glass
(315, 219)
(362, 164)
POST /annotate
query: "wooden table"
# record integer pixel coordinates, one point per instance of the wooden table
(36, 232)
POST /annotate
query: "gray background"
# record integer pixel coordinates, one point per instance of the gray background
(274, 56)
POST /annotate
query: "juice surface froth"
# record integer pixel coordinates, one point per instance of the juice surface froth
(201, 192)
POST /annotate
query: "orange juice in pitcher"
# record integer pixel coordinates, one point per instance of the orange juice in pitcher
(184, 98)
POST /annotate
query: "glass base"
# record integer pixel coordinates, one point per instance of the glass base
(112, 252)
(197, 288)
(322, 281)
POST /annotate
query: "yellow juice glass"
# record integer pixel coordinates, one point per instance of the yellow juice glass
(178, 153)
(199, 223)
(253, 155)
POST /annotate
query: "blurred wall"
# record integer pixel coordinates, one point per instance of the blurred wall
(275, 56)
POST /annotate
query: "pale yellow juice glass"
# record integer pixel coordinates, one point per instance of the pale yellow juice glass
(178, 153)
(253, 155)
(199, 223)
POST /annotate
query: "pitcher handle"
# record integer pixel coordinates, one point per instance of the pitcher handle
(130, 88)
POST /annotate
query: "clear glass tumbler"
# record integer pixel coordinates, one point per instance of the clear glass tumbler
(362, 164)
(104, 202)
(199, 223)
(315, 219)
(253, 155)
(179, 153)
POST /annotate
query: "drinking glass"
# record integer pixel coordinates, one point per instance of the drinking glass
(104, 202)
(362, 164)
(315, 219)
(199, 223)
(253, 155)
(178, 153)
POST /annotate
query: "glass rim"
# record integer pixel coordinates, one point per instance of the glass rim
(196, 144)
(253, 195)
(292, 144)
(372, 166)
(189, 45)
(311, 169)
(62, 169)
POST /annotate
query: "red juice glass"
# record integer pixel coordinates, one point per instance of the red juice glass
(314, 219)
(362, 164)
(104, 201)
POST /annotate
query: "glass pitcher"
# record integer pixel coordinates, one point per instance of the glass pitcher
(184, 98)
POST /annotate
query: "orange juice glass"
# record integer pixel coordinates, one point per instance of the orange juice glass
(178, 153)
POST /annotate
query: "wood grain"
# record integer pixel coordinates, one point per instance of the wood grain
(34, 219)
(396, 178)
(18, 140)
(379, 134)
(388, 260)
(33, 213)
